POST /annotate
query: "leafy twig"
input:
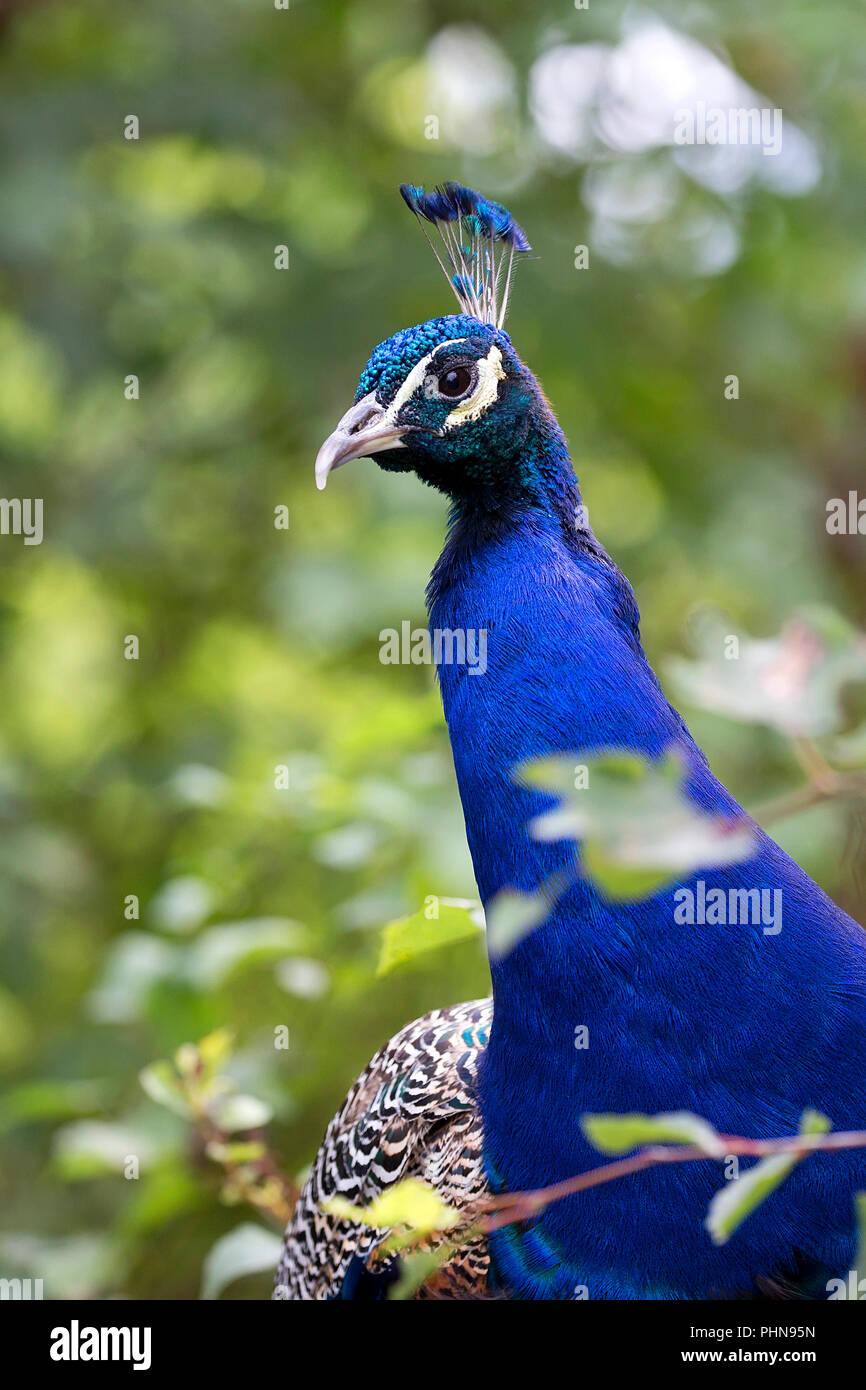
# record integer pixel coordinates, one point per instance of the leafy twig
(508, 1207)
(195, 1087)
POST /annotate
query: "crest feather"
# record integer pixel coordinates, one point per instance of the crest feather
(480, 239)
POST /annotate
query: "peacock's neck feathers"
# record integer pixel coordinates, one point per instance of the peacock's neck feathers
(566, 675)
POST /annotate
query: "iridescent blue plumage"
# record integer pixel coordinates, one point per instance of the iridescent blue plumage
(453, 201)
(744, 1028)
(470, 227)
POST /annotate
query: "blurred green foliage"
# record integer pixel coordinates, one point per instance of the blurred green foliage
(261, 906)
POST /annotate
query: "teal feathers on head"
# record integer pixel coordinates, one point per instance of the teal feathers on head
(450, 399)
(480, 239)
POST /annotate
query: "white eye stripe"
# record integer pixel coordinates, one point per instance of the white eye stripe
(413, 380)
(490, 373)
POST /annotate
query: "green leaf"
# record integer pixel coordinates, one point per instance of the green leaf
(740, 1196)
(558, 774)
(96, 1148)
(188, 1062)
(456, 920)
(619, 1134)
(792, 682)
(222, 950)
(409, 1203)
(621, 882)
(235, 1153)
(216, 1048)
(637, 828)
(248, 1249)
(416, 1268)
(181, 904)
(74, 1267)
(238, 1112)
(813, 1122)
(136, 963)
(512, 915)
(49, 1100)
(162, 1085)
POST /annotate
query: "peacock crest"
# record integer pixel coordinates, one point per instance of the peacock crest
(479, 238)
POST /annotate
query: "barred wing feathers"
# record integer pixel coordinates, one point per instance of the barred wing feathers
(412, 1113)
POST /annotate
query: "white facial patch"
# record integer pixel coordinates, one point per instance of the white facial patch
(490, 373)
(413, 380)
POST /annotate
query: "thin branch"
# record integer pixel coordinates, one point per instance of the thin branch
(508, 1207)
(823, 783)
(790, 803)
(818, 771)
(277, 1194)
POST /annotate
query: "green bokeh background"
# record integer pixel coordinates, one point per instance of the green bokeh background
(259, 646)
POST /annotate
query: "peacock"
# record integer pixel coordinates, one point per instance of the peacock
(738, 1025)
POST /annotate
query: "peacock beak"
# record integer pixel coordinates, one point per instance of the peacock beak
(366, 429)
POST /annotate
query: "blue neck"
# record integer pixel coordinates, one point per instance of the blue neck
(566, 673)
(561, 621)
(538, 480)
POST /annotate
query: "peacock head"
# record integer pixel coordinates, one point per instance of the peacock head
(449, 399)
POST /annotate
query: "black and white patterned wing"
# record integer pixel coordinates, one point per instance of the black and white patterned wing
(412, 1113)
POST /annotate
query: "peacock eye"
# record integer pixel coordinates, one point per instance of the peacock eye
(455, 382)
